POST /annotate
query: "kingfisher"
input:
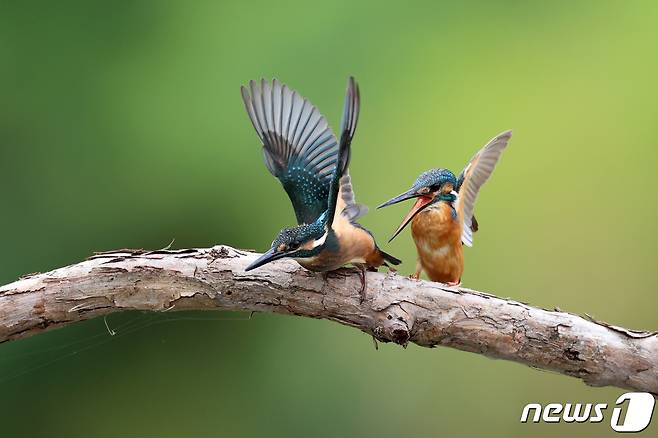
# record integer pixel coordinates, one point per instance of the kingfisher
(442, 219)
(300, 149)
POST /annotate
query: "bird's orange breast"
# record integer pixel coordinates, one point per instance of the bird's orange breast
(437, 235)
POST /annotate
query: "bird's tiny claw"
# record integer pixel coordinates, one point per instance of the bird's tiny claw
(361, 271)
(453, 285)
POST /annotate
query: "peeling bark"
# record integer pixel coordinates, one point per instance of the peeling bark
(396, 309)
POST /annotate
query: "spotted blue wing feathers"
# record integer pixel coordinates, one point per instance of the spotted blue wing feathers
(299, 147)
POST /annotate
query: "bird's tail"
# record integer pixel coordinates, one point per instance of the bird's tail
(389, 258)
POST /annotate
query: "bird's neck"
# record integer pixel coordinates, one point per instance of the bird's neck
(446, 197)
(307, 253)
(331, 243)
(322, 257)
(449, 199)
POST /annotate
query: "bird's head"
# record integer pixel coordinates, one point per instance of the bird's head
(302, 241)
(430, 187)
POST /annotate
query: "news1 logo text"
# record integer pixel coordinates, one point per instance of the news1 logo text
(632, 412)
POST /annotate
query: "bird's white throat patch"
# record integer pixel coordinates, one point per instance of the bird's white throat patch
(321, 240)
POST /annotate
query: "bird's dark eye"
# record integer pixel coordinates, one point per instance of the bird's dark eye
(293, 246)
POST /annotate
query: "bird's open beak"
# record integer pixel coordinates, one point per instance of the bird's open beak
(403, 197)
(421, 202)
(269, 256)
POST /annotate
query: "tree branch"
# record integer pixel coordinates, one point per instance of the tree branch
(396, 309)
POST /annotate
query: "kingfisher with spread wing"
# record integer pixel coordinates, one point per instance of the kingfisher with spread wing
(301, 150)
(442, 219)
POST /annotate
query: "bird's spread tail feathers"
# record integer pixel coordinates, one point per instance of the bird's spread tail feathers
(389, 258)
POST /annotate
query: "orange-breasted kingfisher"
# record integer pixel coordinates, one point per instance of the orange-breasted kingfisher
(301, 150)
(442, 219)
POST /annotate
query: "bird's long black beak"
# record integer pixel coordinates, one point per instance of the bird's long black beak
(409, 194)
(264, 259)
(422, 202)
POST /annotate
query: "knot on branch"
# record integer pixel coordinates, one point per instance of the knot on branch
(395, 325)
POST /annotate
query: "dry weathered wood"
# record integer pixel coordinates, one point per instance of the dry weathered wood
(396, 309)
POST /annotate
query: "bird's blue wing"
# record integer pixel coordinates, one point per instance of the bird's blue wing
(299, 147)
(340, 179)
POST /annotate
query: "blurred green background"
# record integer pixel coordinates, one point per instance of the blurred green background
(121, 125)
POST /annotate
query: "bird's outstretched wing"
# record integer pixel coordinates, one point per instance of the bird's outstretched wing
(347, 205)
(299, 147)
(341, 195)
(474, 175)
